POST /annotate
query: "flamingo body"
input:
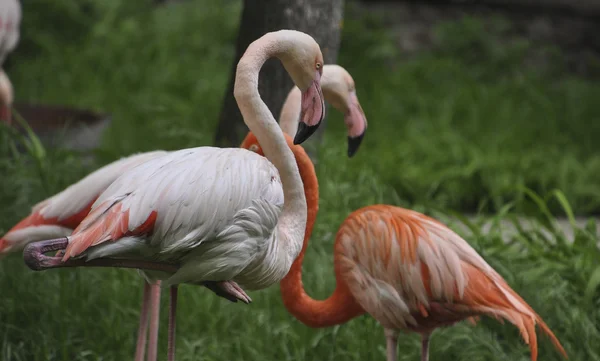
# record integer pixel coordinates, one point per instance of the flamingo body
(211, 210)
(412, 273)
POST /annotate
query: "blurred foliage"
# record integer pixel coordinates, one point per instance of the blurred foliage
(469, 124)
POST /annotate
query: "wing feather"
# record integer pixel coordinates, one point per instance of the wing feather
(212, 205)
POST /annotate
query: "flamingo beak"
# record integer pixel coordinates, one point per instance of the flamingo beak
(312, 110)
(356, 122)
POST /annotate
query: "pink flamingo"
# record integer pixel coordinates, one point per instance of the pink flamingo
(212, 216)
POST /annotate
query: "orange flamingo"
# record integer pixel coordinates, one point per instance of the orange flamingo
(407, 270)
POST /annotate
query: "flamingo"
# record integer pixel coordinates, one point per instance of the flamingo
(10, 23)
(220, 216)
(407, 270)
(58, 215)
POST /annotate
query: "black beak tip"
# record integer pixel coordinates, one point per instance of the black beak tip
(354, 144)
(304, 132)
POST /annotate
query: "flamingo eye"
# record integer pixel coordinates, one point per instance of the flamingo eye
(318, 66)
(253, 148)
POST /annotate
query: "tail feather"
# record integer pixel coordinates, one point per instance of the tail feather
(543, 326)
(490, 297)
(37, 227)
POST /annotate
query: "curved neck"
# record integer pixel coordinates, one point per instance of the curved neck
(340, 307)
(259, 119)
(289, 117)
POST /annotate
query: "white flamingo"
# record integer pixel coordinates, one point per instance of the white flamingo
(10, 23)
(58, 215)
(209, 215)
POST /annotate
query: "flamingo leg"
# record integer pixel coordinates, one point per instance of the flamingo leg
(391, 337)
(171, 335)
(154, 320)
(425, 347)
(141, 341)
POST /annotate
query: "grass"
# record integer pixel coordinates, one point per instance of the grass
(465, 127)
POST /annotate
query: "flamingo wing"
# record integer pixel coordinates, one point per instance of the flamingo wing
(211, 210)
(58, 215)
(411, 272)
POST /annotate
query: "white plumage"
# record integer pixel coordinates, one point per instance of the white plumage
(216, 215)
(73, 198)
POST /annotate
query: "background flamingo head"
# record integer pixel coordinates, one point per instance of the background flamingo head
(340, 91)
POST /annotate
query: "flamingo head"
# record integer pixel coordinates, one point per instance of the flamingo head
(340, 91)
(304, 63)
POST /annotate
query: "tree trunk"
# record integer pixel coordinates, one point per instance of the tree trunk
(322, 19)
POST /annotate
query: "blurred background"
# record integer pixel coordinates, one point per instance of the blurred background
(483, 114)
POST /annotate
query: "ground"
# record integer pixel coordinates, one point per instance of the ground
(463, 128)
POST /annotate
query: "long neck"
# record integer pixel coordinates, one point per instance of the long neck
(259, 119)
(340, 306)
(290, 112)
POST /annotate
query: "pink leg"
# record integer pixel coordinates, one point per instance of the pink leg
(171, 335)
(154, 320)
(391, 337)
(141, 341)
(425, 347)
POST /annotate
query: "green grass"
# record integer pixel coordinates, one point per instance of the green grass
(465, 127)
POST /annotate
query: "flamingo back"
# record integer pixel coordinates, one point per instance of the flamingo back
(213, 211)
